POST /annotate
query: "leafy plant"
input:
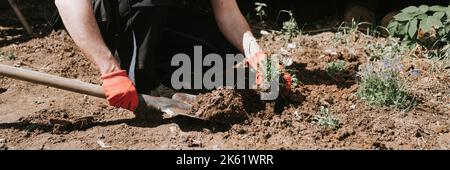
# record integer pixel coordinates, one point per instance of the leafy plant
(380, 49)
(426, 25)
(269, 69)
(381, 84)
(290, 27)
(260, 10)
(336, 67)
(273, 68)
(325, 118)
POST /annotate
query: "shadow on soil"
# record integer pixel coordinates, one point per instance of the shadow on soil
(186, 124)
(319, 77)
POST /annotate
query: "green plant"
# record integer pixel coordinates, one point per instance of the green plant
(346, 33)
(11, 56)
(349, 28)
(269, 71)
(381, 85)
(290, 27)
(273, 68)
(380, 49)
(325, 118)
(336, 67)
(428, 26)
(260, 11)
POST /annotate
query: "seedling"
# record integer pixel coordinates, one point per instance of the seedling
(290, 27)
(325, 118)
(260, 11)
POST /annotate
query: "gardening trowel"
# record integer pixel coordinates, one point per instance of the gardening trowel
(171, 107)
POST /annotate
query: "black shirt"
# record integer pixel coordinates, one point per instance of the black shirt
(146, 3)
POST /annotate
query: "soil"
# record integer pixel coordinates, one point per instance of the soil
(39, 117)
(222, 106)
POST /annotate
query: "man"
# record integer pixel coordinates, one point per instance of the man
(131, 41)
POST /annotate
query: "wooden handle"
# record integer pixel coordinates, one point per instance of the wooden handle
(20, 16)
(52, 81)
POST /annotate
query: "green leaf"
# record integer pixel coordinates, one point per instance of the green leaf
(392, 27)
(430, 22)
(438, 8)
(403, 17)
(412, 30)
(401, 29)
(447, 27)
(411, 9)
(406, 29)
(422, 16)
(438, 15)
(423, 8)
(447, 12)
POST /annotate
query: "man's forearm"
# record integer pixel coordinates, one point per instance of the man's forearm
(234, 26)
(79, 20)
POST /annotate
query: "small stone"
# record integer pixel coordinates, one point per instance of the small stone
(101, 136)
(102, 144)
(264, 32)
(173, 129)
(267, 135)
(206, 131)
(345, 134)
(266, 123)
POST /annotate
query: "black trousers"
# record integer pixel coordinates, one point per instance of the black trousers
(153, 35)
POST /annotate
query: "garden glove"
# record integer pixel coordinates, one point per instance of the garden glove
(120, 91)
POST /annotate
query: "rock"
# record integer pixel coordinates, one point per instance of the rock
(3, 144)
(102, 144)
(345, 134)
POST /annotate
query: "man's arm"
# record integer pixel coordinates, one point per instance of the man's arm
(234, 26)
(236, 29)
(79, 20)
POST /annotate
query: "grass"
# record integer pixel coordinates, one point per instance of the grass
(325, 118)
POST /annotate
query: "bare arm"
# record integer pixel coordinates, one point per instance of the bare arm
(234, 26)
(79, 20)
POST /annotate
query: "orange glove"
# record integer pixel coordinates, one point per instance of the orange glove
(255, 62)
(120, 91)
(287, 77)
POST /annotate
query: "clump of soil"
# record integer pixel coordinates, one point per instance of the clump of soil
(222, 106)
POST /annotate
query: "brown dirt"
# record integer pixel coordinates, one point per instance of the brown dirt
(39, 117)
(222, 106)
